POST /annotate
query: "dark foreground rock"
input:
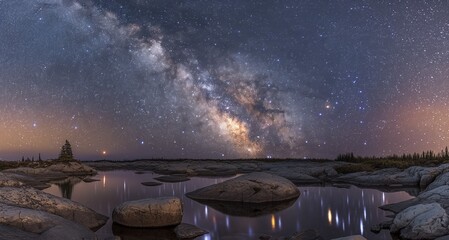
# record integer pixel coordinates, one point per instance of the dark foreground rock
(152, 212)
(31, 198)
(250, 188)
(46, 225)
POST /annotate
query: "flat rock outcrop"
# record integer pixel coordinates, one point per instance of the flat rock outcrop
(151, 212)
(27, 197)
(250, 188)
(46, 225)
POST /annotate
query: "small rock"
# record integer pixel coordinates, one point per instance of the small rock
(376, 228)
(188, 231)
(172, 178)
(152, 212)
(151, 184)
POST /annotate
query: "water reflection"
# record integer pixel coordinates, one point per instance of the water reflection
(346, 211)
(246, 209)
(66, 186)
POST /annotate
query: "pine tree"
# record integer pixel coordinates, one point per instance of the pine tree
(66, 152)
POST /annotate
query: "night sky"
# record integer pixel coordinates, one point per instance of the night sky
(126, 79)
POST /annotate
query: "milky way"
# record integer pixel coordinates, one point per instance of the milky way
(222, 79)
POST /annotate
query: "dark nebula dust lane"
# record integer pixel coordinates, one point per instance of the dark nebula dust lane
(222, 79)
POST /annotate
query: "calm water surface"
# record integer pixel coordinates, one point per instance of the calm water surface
(333, 212)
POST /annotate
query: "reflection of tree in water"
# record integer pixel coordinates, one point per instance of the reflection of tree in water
(66, 186)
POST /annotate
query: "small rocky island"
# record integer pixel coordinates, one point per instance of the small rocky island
(29, 213)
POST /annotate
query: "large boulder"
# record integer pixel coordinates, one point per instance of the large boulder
(152, 212)
(47, 225)
(250, 188)
(31, 198)
(422, 221)
(441, 180)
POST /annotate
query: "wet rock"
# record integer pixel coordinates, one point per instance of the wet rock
(422, 221)
(152, 212)
(172, 178)
(250, 188)
(151, 184)
(353, 237)
(31, 198)
(47, 225)
(188, 231)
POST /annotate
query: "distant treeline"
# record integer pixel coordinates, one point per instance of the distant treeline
(425, 155)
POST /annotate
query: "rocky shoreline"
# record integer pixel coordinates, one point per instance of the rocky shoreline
(44, 216)
(424, 217)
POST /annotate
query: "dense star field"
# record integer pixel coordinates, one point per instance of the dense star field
(125, 79)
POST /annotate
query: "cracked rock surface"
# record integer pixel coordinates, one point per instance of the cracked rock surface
(151, 212)
(31, 198)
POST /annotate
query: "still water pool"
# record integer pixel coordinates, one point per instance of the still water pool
(332, 212)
